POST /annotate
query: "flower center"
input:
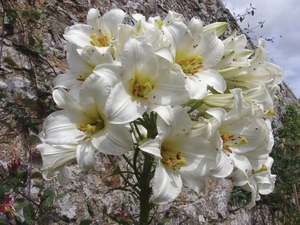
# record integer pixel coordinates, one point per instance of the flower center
(91, 129)
(173, 160)
(191, 65)
(98, 41)
(233, 141)
(142, 90)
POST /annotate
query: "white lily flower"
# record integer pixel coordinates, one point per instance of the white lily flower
(145, 82)
(181, 160)
(235, 52)
(84, 123)
(171, 17)
(260, 71)
(98, 31)
(82, 63)
(195, 54)
(261, 181)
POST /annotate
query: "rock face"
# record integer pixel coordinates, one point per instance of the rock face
(35, 44)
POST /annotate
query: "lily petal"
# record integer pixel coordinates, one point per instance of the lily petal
(126, 109)
(166, 185)
(85, 155)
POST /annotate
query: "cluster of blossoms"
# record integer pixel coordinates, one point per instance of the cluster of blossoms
(213, 102)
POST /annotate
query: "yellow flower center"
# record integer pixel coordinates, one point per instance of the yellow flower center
(191, 65)
(172, 159)
(263, 168)
(233, 141)
(142, 90)
(91, 129)
(98, 41)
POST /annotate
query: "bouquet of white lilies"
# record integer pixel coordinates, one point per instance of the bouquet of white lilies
(180, 104)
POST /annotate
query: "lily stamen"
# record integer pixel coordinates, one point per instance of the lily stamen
(91, 129)
(263, 168)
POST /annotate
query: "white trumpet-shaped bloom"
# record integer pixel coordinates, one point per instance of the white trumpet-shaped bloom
(84, 123)
(181, 160)
(194, 55)
(145, 82)
(98, 31)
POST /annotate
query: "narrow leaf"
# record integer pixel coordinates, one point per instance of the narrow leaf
(6, 124)
(31, 41)
(90, 209)
(36, 175)
(9, 61)
(85, 222)
(29, 102)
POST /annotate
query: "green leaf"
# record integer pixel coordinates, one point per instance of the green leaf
(31, 41)
(9, 61)
(40, 218)
(86, 222)
(36, 15)
(6, 124)
(3, 222)
(49, 208)
(18, 113)
(21, 203)
(2, 194)
(28, 213)
(60, 196)
(2, 95)
(31, 73)
(41, 50)
(29, 102)
(25, 14)
(36, 175)
(33, 122)
(10, 16)
(49, 195)
(17, 43)
(90, 209)
(164, 221)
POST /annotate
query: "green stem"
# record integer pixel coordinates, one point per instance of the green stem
(145, 190)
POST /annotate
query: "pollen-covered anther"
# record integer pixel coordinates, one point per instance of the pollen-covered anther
(233, 141)
(191, 65)
(270, 112)
(142, 90)
(263, 168)
(80, 78)
(91, 129)
(98, 41)
(174, 162)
